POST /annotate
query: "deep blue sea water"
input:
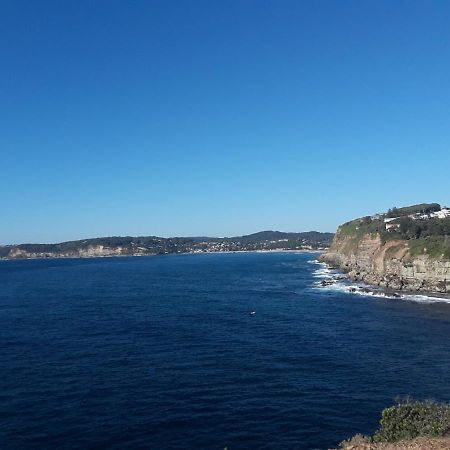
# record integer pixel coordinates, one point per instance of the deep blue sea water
(163, 353)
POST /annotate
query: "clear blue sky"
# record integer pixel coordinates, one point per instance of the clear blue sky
(218, 117)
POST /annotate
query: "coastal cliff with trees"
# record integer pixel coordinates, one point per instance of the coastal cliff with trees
(154, 245)
(403, 249)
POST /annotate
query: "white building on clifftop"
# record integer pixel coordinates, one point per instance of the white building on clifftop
(442, 214)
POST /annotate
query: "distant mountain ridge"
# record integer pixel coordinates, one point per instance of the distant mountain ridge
(154, 245)
(313, 236)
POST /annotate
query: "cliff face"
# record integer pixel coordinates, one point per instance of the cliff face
(388, 264)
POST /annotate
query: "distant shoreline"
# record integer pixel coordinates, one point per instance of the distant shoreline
(109, 246)
(164, 254)
(281, 250)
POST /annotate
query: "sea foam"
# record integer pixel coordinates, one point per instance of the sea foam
(338, 282)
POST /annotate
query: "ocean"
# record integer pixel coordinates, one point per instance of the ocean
(205, 351)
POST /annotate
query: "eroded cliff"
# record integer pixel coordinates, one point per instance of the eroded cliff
(390, 264)
(86, 252)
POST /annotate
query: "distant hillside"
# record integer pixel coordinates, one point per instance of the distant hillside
(154, 245)
(311, 236)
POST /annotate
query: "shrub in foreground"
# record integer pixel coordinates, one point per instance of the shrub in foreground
(410, 419)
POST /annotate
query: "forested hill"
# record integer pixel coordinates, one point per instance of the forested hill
(154, 245)
(311, 236)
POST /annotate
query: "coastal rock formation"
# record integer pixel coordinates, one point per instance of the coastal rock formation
(388, 264)
(86, 252)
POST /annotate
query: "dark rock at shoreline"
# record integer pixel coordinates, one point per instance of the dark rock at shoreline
(387, 264)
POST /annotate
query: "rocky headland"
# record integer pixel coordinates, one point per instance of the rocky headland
(406, 249)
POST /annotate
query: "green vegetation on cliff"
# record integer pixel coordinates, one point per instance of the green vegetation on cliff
(410, 419)
(406, 422)
(434, 246)
(422, 208)
(425, 232)
(361, 227)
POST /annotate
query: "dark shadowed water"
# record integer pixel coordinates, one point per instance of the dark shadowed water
(163, 353)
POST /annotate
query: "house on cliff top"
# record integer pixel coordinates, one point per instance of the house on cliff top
(392, 226)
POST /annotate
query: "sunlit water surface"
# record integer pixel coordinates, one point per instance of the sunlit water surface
(165, 353)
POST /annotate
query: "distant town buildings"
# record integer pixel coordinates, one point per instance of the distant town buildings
(391, 223)
(392, 226)
(442, 214)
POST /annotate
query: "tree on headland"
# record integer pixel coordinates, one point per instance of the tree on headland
(392, 212)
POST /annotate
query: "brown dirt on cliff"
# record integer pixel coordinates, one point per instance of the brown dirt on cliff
(394, 249)
(420, 443)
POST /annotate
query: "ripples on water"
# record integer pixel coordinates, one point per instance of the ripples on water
(163, 353)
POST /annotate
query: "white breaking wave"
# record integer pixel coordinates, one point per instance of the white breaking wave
(352, 289)
(425, 298)
(324, 271)
(336, 281)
